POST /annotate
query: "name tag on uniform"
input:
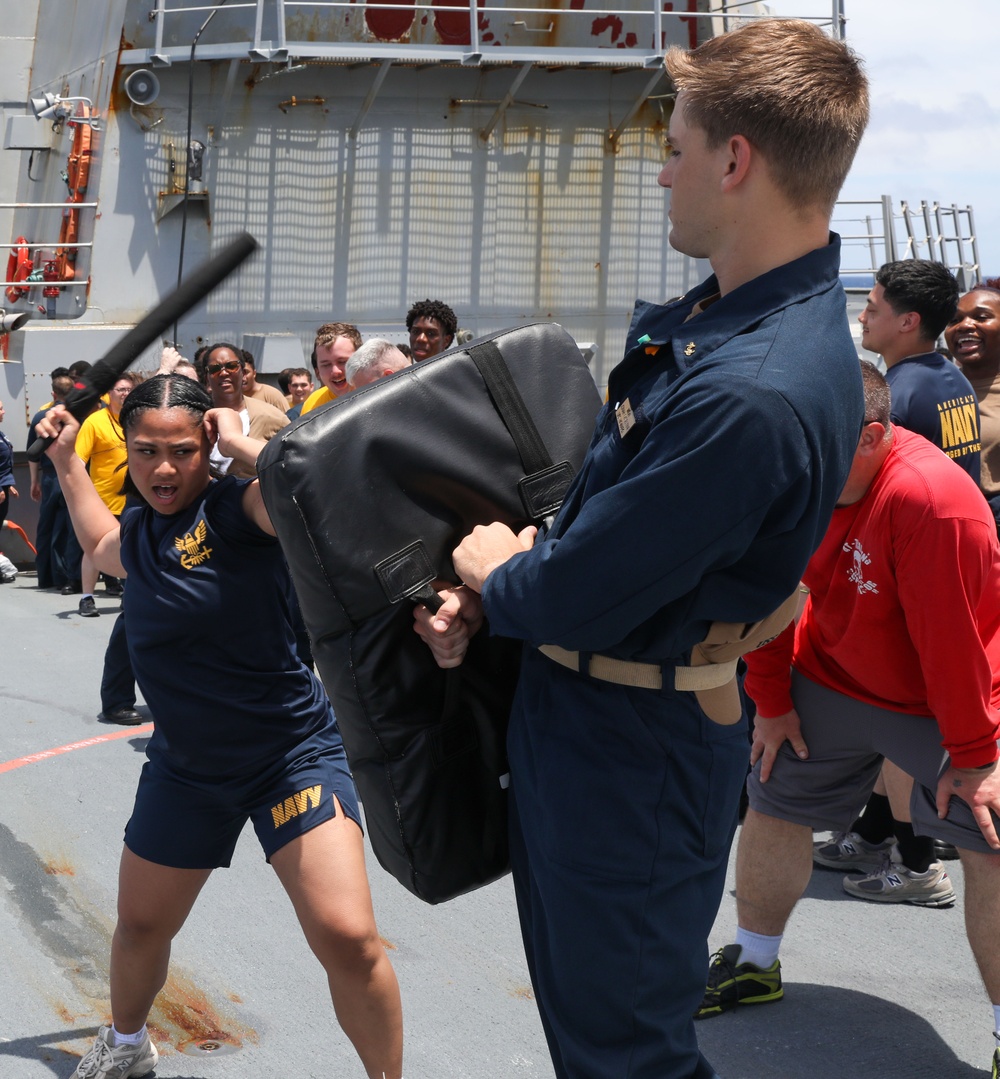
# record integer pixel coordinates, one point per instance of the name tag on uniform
(625, 417)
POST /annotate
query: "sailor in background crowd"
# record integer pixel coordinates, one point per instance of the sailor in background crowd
(973, 337)
(58, 554)
(7, 491)
(300, 386)
(909, 306)
(102, 449)
(374, 360)
(261, 391)
(906, 312)
(335, 344)
(431, 325)
(223, 370)
(897, 656)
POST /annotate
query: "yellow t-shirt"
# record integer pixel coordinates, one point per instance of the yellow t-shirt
(101, 444)
(318, 397)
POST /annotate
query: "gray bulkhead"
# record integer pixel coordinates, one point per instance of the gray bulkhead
(466, 161)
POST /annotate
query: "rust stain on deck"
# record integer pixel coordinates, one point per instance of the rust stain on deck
(183, 1015)
(58, 867)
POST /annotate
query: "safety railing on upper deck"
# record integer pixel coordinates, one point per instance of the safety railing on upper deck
(874, 232)
(629, 33)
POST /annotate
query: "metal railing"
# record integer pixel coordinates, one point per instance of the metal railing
(645, 19)
(876, 233)
(45, 246)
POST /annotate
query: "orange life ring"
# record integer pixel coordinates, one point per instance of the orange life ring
(19, 265)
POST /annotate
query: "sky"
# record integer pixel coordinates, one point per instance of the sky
(934, 71)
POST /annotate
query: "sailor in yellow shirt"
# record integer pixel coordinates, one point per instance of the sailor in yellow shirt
(101, 446)
(336, 343)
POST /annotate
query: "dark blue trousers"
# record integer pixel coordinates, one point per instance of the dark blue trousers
(58, 556)
(624, 805)
(118, 681)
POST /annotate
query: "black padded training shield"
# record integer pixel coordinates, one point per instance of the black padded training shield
(369, 496)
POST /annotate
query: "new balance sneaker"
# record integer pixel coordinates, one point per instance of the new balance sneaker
(995, 1073)
(892, 882)
(108, 1061)
(731, 982)
(847, 850)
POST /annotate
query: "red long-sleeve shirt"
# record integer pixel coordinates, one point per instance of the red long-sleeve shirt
(904, 605)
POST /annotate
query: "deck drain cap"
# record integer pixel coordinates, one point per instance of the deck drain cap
(208, 1047)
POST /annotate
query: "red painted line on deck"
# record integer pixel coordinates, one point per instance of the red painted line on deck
(32, 758)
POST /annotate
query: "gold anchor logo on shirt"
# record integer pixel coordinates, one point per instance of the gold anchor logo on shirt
(193, 546)
(689, 350)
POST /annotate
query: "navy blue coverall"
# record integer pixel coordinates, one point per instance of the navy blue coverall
(705, 504)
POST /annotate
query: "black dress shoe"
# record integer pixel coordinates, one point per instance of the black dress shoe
(70, 588)
(128, 717)
(944, 851)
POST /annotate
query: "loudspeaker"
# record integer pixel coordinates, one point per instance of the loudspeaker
(142, 87)
(9, 321)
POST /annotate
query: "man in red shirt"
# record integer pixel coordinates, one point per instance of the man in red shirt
(896, 655)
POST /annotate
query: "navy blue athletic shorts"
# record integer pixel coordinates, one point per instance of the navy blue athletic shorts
(188, 821)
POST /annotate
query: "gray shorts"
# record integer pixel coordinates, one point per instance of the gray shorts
(847, 741)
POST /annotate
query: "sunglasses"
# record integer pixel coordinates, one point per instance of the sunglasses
(232, 366)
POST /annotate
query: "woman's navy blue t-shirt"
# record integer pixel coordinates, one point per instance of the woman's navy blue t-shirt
(208, 611)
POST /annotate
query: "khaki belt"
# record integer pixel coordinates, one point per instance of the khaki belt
(711, 677)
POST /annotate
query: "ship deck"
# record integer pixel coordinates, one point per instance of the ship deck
(870, 990)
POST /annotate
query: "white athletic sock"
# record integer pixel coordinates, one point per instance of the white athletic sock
(996, 1021)
(127, 1039)
(757, 948)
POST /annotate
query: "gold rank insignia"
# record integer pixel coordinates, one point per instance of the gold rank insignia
(689, 348)
(192, 546)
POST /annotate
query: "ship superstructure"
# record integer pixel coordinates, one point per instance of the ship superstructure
(499, 157)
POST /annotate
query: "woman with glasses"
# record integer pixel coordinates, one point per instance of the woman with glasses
(243, 729)
(222, 370)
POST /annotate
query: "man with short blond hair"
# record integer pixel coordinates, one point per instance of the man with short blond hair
(711, 478)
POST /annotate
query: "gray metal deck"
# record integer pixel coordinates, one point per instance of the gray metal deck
(870, 991)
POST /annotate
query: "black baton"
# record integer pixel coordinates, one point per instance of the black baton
(89, 388)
